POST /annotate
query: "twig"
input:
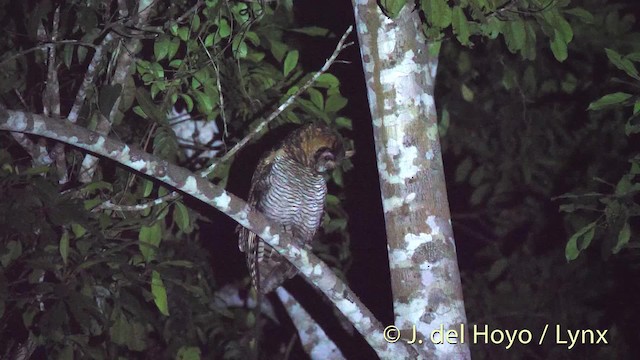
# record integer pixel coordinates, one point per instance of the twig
(341, 46)
(219, 84)
(89, 78)
(193, 9)
(45, 45)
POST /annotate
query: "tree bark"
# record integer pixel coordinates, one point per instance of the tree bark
(400, 70)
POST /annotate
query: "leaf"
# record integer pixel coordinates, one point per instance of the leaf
(460, 25)
(224, 29)
(161, 47)
(609, 100)
(327, 80)
(392, 8)
(148, 240)
(579, 241)
(290, 61)
(181, 217)
(621, 63)
(581, 14)
(159, 293)
(316, 98)
(467, 93)
(343, 122)
(623, 238)
(312, 31)
(188, 353)
(335, 103)
(559, 47)
(438, 12)
(64, 246)
(78, 230)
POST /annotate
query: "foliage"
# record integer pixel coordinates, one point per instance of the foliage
(95, 281)
(518, 137)
(518, 21)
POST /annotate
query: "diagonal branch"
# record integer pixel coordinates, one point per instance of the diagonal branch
(310, 266)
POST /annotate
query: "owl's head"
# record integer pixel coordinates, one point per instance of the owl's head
(317, 147)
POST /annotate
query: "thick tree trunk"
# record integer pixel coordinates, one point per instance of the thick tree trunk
(400, 68)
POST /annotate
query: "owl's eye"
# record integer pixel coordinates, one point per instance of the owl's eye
(327, 156)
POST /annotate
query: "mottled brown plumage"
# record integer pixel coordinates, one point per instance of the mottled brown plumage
(288, 187)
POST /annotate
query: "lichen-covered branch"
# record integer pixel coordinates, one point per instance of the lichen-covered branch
(400, 69)
(189, 183)
(314, 340)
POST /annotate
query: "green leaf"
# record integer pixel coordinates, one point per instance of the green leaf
(290, 61)
(460, 25)
(183, 33)
(148, 240)
(438, 12)
(392, 8)
(188, 100)
(205, 103)
(64, 246)
(467, 93)
(623, 238)
(581, 14)
(78, 230)
(559, 47)
(159, 293)
(621, 63)
(609, 100)
(579, 241)
(316, 98)
(335, 103)
(312, 31)
(224, 29)
(15, 250)
(188, 353)
(148, 188)
(327, 80)
(181, 217)
(343, 122)
(161, 47)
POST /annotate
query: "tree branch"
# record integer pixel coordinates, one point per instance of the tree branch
(310, 266)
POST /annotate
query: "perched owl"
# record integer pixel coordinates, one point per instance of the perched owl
(288, 187)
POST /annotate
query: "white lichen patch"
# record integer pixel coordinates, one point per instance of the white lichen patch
(429, 155)
(404, 157)
(398, 259)
(391, 203)
(221, 201)
(348, 307)
(377, 122)
(432, 132)
(409, 198)
(428, 102)
(435, 228)
(386, 41)
(191, 187)
(413, 241)
(17, 121)
(138, 165)
(409, 313)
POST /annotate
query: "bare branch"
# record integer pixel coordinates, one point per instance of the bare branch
(314, 340)
(85, 89)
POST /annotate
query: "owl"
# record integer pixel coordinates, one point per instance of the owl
(288, 187)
